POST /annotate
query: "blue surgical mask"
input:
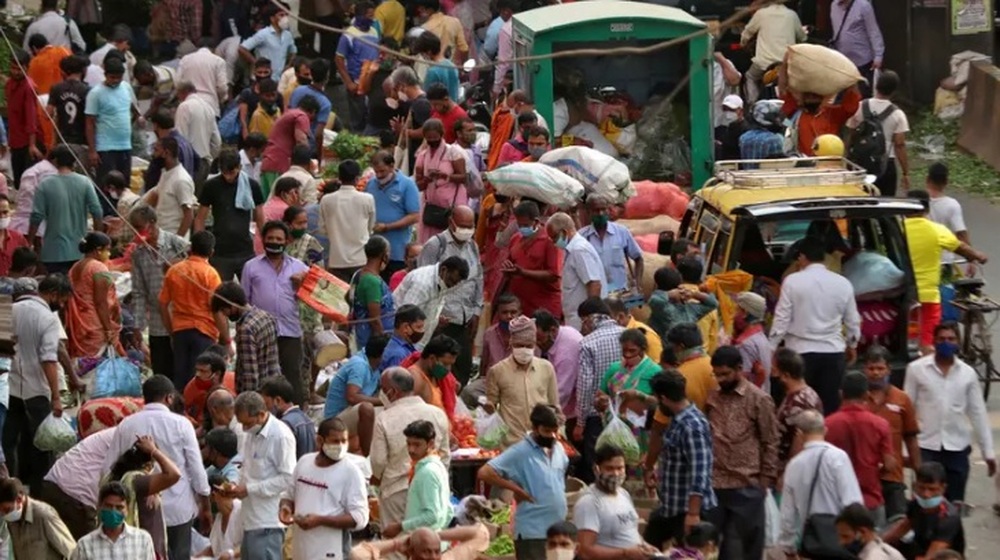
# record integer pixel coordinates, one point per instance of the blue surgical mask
(929, 503)
(562, 242)
(527, 231)
(945, 350)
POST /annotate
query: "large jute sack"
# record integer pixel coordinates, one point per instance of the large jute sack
(818, 69)
(656, 225)
(599, 173)
(651, 263)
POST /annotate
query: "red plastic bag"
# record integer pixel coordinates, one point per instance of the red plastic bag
(325, 293)
(656, 199)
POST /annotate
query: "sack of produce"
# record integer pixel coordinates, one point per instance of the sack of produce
(656, 225)
(598, 173)
(618, 434)
(99, 414)
(537, 181)
(872, 272)
(651, 263)
(656, 199)
(491, 431)
(820, 70)
(55, 434)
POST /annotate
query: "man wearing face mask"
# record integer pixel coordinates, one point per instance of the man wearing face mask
(745, 435)
(397, 208)
(267, 473)
(358, 46)
(408, 330)
(327, 499)
(256, 336)
(534, 270)
(583, 273)
(389, 455)
(560, 541)
(605, 515)
(274, 42)
(534, 379)
(945, 389)
(817, 117)
(109, 110)
(516, 149)
(729, 129)
(459, 317)
(279, 399)
(856, 530)
(534, 469)
(270, 282)
(114, 535)
(429, 287)
(614, 244)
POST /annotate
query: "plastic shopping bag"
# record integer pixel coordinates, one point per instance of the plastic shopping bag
(325, 293)
(55, 434)
(772, 519)
(619, 434)
(116, 377)
(491, 431)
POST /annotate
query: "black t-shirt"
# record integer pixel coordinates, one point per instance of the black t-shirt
(379, 114)
(69, 97)
(231, 225)
(943, 524)
(421, 110)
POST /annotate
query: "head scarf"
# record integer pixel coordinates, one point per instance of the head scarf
(753, 304)
(522, 330)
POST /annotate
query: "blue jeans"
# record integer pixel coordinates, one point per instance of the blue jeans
(262, 544)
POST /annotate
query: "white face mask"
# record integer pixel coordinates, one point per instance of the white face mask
(560, 554)
(334, 451)
(4, 223)
(523, 356)
(463, 234)
(402, 96)
(391, 103)
(15, 514)
(284, 23)
(729, 117)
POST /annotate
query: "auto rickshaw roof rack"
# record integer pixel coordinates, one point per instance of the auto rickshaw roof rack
(789, 172)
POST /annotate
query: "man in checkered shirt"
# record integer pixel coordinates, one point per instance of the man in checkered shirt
(599, 349)
(685, 471)
(114, 538)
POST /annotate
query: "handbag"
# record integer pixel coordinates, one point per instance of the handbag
(819, 536)
(325, 293)
(401, 153)
(833, 42)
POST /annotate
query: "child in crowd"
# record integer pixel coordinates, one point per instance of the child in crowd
(701, 543)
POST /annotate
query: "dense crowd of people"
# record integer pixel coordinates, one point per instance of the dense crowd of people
(258, 434)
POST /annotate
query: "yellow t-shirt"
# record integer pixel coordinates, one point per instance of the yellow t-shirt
(926, 240)
(700, 382)
(391, 15)
(654, 346)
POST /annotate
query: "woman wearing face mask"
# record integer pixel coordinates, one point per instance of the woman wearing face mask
(605, 516)
(227, 529)
(94, 303)
(440, 175)
(10, 240)
(134, 470)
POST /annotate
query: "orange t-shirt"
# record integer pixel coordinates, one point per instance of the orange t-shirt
(187, 288)
(829, 120)
(195, 396)
(44, 71)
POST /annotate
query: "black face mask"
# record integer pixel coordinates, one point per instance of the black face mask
(304, 81)
(545, 441)
(666, 411)
(811, 106)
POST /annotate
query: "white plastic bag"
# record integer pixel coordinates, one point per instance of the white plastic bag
(55, 434)
(537, 181)
(772, 520)
(599, 173)
(619, 434)
(491, 430)
(871, 272)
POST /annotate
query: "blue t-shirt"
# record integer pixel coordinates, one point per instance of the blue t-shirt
(395, 352)
(301, 92)
(112, 107)
(357, 371)
(527, 465)
(393, 202)
(356, 52)
(267, 43)
(442, 75)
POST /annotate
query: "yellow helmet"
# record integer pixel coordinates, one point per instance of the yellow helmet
(828, 145)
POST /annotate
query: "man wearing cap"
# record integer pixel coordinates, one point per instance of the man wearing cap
(729, 127)
(519, 382)
(751, 339)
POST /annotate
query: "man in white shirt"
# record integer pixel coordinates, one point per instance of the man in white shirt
(775, 27)
(949, 402)
(389, 457)
(347, 218)
(427, 287)
(174, 196)
(175, 436)
(583, 272)
(815, 326)
(71, 484)
(208, 73)
(894, 128)
(328, 497)
(59, 30)
(945, 210)
(300, 171)
(268, 470)
(819, 480)
(195, 120)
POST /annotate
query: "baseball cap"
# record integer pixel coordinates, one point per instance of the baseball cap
(733, 102)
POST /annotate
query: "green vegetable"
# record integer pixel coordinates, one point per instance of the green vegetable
(491, 432)
(618, 434)
(351, 146)
(501, 517)
(501, 546)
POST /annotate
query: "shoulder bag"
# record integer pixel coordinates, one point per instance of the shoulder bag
(819, 536)
(833, 42)
(401, 154)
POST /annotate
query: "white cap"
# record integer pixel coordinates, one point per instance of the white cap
(733, 102)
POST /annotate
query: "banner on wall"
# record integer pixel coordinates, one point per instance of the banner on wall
(971, 16)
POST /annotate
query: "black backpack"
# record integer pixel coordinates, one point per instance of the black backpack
(868, 142)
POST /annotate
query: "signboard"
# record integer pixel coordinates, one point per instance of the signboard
(970, 16)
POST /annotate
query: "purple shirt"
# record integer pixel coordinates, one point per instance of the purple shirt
(495, 347)
(272, 291)
(565, 357)
(861, 41)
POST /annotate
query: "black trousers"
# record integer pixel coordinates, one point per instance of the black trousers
(591, 431)
(462, 369)
(115, 160)
(867, 72)
(888, 182)
(179, 541)
(290, 358)
(739, 517)
(824, 372)
(229, 266)
(188, 345)
(161, 356)
(661, 529)
(24, 460)
(20, 161)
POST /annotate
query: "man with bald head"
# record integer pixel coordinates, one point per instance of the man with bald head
(583, 273)
(389, 457)
(220, 406)
(460, 316)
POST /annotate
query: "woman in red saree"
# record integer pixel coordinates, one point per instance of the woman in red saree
(94, 314)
